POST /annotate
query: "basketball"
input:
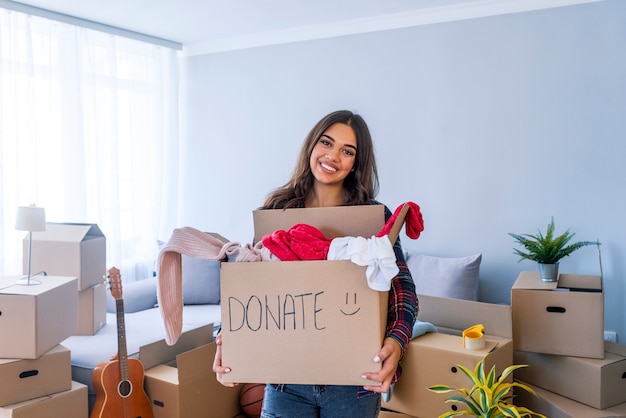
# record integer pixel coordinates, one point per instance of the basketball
(251, 399)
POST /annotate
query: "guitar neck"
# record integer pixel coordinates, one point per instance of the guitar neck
(122, 353)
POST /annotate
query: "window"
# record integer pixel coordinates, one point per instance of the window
(88, 130)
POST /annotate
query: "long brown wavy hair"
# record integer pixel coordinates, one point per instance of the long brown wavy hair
(360, 186)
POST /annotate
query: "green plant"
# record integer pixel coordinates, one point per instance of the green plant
(489, 397)
(548, 248)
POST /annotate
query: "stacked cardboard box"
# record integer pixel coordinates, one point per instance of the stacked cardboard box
(432, 358)
(564, 317)
(35, 370)
(558, 332)
(553, 405)
(77, 250)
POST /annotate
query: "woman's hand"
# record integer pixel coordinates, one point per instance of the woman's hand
(389, 355)
(219, 370)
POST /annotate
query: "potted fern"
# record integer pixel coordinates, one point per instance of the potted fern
(547, 249)
(490, 397)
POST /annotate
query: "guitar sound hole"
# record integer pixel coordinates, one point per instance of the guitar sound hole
(124, 388)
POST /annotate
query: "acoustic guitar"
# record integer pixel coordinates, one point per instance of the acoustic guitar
(119, 383)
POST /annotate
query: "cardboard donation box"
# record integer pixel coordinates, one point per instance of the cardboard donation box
(188, 388)
(432, 358)
(564, 317)
(71, 403)
(280, 318)
(36, 318)
(600, 383)
(92, 309)
(553, 405)
(21, 380)
(69, 249)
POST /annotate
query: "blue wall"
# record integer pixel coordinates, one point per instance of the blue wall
(492, 125)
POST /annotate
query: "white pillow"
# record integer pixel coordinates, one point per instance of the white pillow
(447, 277)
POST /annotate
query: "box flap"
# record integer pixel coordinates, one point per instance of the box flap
(579, 283)
(459, 314)
(159, 352)
(364, 221)
(614, 348)
(194, 363)
(394, 232)
(68, 232)
(532, 280)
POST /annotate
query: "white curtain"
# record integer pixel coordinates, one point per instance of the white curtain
(88, 130)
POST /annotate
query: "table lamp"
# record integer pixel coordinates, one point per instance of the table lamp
(30, 218)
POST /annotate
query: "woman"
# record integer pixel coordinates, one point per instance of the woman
(337, 167)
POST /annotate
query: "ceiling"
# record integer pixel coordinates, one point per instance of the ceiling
(229, 24)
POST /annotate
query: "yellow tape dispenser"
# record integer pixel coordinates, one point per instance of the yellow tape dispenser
(474, 337)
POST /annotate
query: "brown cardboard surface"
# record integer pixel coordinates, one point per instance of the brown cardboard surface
(21, 380)
(564, 318)
(455, 315)
(68, 404)
(92, 309)
(431, 359)
(189, 388)
(159, 352)
(553, 405)
(599, 383)
(69, 249)
(289, 313)
(393, 414)
(36, 318)
(333, 222)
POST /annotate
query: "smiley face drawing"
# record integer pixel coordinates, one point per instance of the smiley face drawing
(354, 309)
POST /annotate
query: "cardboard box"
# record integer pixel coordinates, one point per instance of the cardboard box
(188, 388)
(393, 414)
(553, 405)
(68, 404)
(288, 313)
(69, 249)
(36, 318)
(21, 380)
(92, 309)
(600, 383)
(159, 352)
(564, 317)
(432, 358)
(150, 355)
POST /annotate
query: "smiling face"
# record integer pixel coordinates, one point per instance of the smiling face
(334, 155)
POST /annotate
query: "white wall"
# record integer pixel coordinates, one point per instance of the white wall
(492, 125)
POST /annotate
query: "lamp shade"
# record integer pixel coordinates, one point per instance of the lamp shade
(30, 218)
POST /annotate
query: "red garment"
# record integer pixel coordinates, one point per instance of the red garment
(300, 242)
(413, 223)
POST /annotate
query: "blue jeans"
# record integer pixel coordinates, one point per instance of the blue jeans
(318, 401)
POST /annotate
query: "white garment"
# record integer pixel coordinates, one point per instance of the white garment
(376, 253)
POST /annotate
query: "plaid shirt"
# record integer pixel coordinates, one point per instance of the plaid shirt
(403, 304)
